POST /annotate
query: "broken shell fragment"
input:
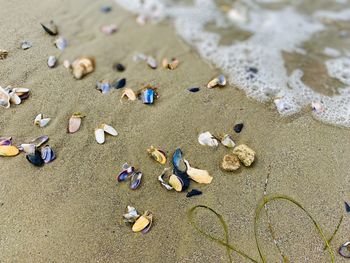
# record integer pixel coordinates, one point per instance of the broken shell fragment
(135, 180)
(51, 62)
(227, 141)
(4, 98)
(26, 44)
(40, 140)
(142, 222)
(109, 29)
(131, 215)
(157, 155)
(27, 147)
(129, 94)
(67, 64)
(47, 154)
(8, 150)
(183, 177)
(82, 66)
(151, 62)
(75, 122)
(206, 138)
(119, 83)
(245, 154)
(344, 250)
(218, 81)
(161, 180)
(178, 161)
(230, 163)
(3, 53)
(41, 121)
(100, 135)
(198, 175)
(104, 86)
(50, 28)
(61, 43)
(35, 158)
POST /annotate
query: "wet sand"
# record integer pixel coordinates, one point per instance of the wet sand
(71, 210)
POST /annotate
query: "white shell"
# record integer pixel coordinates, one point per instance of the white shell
(152, 62)
(100, 135)
(41, 121)
(61, 43)
(228, 141)
(110, 130)
(27, 148)
(51, 62)
(20, 90)
(14, 98)
(4, 98)
(206, 138)
(38, 118)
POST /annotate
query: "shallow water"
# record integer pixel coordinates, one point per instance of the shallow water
(298, 50)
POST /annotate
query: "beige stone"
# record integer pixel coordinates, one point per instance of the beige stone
(230, 163)
(245, 154)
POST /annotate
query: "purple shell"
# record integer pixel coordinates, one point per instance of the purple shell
(123, 176)
(135, 180)
(5, 142)
(47, 154)
(344, 250)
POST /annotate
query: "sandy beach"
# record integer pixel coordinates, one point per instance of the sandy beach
(71, 209)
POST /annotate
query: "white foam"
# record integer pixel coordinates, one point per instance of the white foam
(256, 64)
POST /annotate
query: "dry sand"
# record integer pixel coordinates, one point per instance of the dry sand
(70, 210)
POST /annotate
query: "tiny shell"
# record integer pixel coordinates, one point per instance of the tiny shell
(152, 62)
(198, 175)
(173, 64)
(161, 180)
(194, 89)
(218, 81)
(206, 138)
(131, 215)
(109, 29)
(4, 98)
(104, 86)
(14, 98)
(109, 129)
(40, 140)
(129, 94)
(344, 250)
(82, 66)
(119, 67)
(51, 62)
(227, 141)
(175, 182)
(157, 155)
(230, 163)
(61, 43)
(26, 45)
(106, 9)
(47, 154)
(245, 154)
(119, 83)
(75, 122)
(67, 64)
(3, 53)
(50, 28)
(41, 121)
(8, 150)
(100, 135)
(238, 127)
(5, 141)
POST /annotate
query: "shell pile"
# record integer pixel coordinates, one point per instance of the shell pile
(10, 96)
(140, 223)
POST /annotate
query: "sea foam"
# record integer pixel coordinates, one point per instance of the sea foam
(256, 64)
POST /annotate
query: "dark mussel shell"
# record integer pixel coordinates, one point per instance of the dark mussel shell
(344, 250)
(51, 29)
(178, 161)
(238, 127)
(347, 207)
(193, 192)
(35, 158)
(119, 83)
(183, 177)
(135, 180)
(24, 96)
(123, 176)
(193, 89)
(119, 67)
(47, 154)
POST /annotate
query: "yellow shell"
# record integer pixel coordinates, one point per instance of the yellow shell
(198, 175)
(157, 155)
(8, 150)
(175, 183)
(141, 223)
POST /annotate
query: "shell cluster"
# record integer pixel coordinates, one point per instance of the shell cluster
(101, 130)
(207, 139)
(130, 172)
(10, 96)
(140, 223)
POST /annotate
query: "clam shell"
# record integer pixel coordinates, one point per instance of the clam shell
(135, 180)
(27, 147)
(100, 135)
(123, 176)
(173, 64)
(26, 45)
(157, 155)
(206, 138)
(35, 158)
(131, 215)
(41, 121)
(198, 175)
(61, 43)
(51, 61)
(8, 150)
(40, 140)
(183, 177)
(47, 154)
(3, 53)
(23, 93)
(165, 62)
(109, 129)
(50, 28)
(83, 66)
(161, 180)
(152, 63)
(14, 98)
(175, 182)
(177, 160)
(148, 227)
(74, 122)
(4, 98)
(129, 94)
(228, 141)
(147, 96)
(344, 250)
(218, 81)
(142, 222)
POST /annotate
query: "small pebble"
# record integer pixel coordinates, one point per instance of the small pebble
(106, 9)
(51, 62)
(26, 45)
(119, 67)
(193, 192)
(238, 127)
(245, 154)
(61, 43)
(230, 163)
(194, 89)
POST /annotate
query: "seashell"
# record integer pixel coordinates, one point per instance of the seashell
(227, 141)
(35, 158)
(106, 9)
(183, 177)
(100, 135)
(119, 84)
(347, 207)
(230, 163)
(238, 127)
(123, 176)
(131, 215)
(147, 96)
(165, 62)
(142, 222)
(218, 81)
(67, 64)
(4, 98)
(41, 121)
(119, 67)
(104, 86)
(5, 141)
(109, 29)
(157, 155)
(151, 62)
(27, 147)
(82, 66)
(193, 192)
(26, 44)
(22, 93)
(3, 53)
(176, 183)
(206, 138)
(173, 64)
(129, 94)
(8, 150)
(344, 250)
(14, 98)
(109, 129)
(193, 89)
(40, 140)
(200, 176)
(51, 61)
(245, 154)
(50, 28)
(148, 227)
(161, 180)
(177, 160)
(61, 43)
(135, 180)
(139, 57)
(317, 107)
(47, 154)
(75, 122)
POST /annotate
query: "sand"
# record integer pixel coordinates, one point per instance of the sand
(71, 210)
